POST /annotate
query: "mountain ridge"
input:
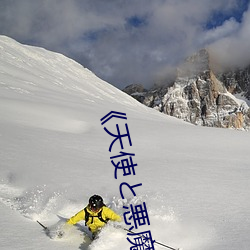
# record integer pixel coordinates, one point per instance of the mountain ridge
(201, 95)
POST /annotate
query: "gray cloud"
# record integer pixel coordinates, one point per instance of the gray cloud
(123, 42)
(233, 49)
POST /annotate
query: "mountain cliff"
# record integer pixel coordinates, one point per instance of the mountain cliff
(202, 96)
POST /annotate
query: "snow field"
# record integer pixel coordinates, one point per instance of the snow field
(54, 156)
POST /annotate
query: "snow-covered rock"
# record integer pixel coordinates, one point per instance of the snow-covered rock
(199, 97)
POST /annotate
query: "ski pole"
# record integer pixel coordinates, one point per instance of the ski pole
(45, 228)
(157, 242)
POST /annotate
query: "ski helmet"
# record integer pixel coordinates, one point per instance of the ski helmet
(95, 202)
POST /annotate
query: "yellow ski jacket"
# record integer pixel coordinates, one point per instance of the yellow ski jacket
(94, 223)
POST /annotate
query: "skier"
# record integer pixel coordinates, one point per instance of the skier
(95, 214)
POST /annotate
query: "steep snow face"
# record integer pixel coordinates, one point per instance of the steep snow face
(37, 74)
(54, 155)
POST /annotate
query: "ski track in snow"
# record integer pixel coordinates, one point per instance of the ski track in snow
(31, 204)
(37, 205)
(40, 204)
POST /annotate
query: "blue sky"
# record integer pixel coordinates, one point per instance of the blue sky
(131, 41)
(218, 17)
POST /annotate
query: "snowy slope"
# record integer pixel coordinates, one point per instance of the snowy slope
(54, 155)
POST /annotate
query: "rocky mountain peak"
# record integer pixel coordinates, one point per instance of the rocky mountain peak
(196, 64)
(200, 96)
